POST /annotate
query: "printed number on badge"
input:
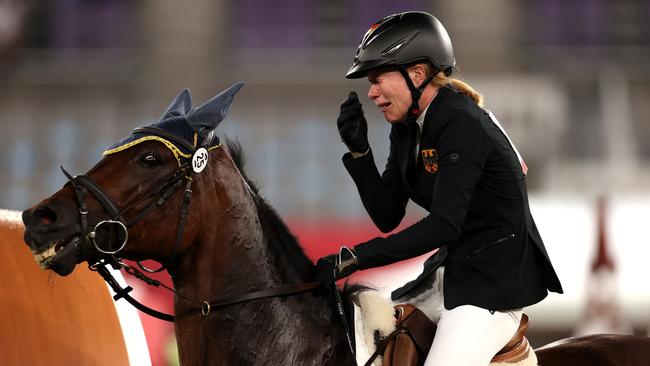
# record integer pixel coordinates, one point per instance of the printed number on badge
(199, 160)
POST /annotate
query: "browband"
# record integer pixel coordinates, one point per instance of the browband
(166, 135)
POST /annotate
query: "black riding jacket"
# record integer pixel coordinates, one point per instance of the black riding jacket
(470, 180)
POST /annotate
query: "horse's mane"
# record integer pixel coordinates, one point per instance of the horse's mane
(285, 248)
(237, 155)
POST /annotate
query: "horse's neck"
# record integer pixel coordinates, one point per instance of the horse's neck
(291, 330)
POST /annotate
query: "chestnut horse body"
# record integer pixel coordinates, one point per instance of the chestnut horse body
(230, 243)
(38, 325)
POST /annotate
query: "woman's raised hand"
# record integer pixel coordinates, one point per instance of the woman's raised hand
(352, 125)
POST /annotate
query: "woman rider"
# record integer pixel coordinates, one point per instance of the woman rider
(453, 158)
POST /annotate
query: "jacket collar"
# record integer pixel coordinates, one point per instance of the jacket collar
(444, 91)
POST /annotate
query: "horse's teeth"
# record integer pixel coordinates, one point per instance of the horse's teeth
(44, 256)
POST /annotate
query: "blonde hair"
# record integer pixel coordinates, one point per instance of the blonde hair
(440, 79)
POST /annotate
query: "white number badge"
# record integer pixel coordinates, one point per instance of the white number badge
(199, 160)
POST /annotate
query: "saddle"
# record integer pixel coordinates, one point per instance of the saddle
(409, 343)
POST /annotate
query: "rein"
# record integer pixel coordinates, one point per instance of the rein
(205, 306)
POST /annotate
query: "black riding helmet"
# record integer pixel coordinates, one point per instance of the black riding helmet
(402, 39)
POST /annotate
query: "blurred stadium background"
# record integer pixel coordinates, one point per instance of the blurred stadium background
(570, 82)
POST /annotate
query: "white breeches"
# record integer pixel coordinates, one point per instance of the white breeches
(467, 335)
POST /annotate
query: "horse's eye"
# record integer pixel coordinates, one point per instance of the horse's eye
(150, 159)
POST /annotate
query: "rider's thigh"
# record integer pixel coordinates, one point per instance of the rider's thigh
(470, 336)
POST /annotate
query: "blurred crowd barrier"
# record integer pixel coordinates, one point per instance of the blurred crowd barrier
(568, 81)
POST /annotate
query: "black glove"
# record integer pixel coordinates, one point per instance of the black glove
(333, 267)
(352, 125)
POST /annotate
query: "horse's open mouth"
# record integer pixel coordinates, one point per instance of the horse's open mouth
(46, 257)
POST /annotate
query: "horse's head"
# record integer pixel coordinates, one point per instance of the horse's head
(141, 188)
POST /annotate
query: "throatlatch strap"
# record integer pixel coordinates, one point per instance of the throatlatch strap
(180, 231)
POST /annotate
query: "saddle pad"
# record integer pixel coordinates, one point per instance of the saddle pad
(374, 317)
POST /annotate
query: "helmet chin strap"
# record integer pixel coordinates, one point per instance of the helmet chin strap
(416, 93)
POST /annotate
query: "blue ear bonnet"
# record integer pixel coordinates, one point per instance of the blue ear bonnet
(176, 126)
(183, 129)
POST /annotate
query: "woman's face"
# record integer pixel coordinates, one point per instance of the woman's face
(390, 93)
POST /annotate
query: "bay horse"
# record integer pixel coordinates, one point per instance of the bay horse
(218, 239)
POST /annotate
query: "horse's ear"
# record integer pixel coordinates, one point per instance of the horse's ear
(180, 106)
(208, 116)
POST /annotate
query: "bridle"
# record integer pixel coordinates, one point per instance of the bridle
(84, 185)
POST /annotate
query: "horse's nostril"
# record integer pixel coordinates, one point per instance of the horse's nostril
(45, 215)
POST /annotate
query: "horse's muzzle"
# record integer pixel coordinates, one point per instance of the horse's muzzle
(46, 238)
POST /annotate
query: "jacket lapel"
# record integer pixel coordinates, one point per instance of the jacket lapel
(408, 165)
(405, 147)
